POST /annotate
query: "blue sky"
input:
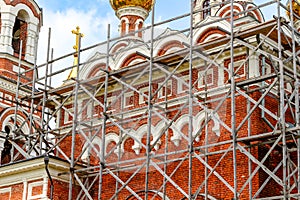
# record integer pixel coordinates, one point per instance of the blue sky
(93, 16)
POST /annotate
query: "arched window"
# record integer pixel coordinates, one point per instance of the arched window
(206, 9)
(20, 31)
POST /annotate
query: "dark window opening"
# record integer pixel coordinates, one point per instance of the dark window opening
(206, 9)
(7, 130)
(19, 33)
(5, 154)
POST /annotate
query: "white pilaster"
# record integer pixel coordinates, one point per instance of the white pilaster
(8, 20)
(25, 188)
(254, 66)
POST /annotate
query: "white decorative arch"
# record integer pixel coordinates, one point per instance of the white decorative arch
(228, 10)
(32, 28)
(200, 117)
(7, 121)
(125, 19)
(139, 134)
(176, 128)
(118, 46)
(110, 137)
(19, 7)
(168, 36)
(209, 24)
(213, 36)
(137, 26)
(98, 59)
(113, 137)
(156, 132)
(87, 148)
(257, 14)
(131, 49)
(197, 123)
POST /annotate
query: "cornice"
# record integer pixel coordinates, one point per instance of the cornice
(33, 169)
(11, 87)
(15, 59)
(133, 11)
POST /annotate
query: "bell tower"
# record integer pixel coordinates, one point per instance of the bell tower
(20, 24)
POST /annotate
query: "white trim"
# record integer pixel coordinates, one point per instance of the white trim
(6, 190)
(168, 85)
(125, 19)
(134, 11)
(237, 64)
(137, 26)
(20, 120)
(180, 85)
(43, 195)
(143, 90)
(128, 95)
(168, 36)
(25, 188)
(202, 75)
(33, 170)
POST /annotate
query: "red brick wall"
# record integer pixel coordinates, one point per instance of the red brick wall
(225, 167)
(61, 190)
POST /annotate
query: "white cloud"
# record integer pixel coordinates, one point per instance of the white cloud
(91, 23)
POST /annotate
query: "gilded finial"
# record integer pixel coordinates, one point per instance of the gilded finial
(79, 35)
(295, 7)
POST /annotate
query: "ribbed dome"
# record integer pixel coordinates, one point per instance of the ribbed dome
(145, 4)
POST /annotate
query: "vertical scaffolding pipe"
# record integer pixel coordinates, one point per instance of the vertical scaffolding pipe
(150, 106)
(122, 99)
(75, 124)
(18, 84)
(166, 141)
(206, 136)
(190, 128)
(102, 153)
(51, 68)
(33, 91)
(281, 105)
(296, 88)
(249, 125)
(17, 95)
(43, 124)
(46, 86)
(249, 160)
(233, 110)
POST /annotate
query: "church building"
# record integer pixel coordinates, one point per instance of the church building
(207, 112)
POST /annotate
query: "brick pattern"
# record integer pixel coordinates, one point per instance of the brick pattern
(216, 187)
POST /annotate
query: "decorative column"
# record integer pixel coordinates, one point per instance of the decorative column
(8, 20)
(32, 30)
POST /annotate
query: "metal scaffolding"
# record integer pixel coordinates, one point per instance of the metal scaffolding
(254, 150)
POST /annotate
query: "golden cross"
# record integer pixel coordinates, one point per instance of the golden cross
(74, 71)
(78, 36)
